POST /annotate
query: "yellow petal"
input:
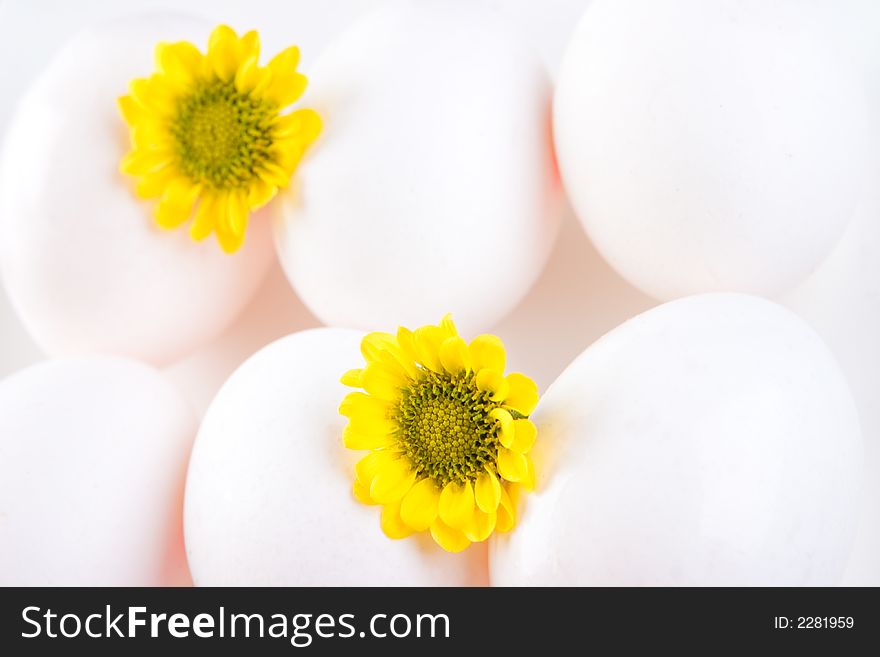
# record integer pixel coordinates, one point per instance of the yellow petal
(454, 355)
(366, 469)
(223, 52)
(139, 90)
(260, 193)
(456, 504)
(419, 507)
(287, 153)
(524, 434)
(145, 160)
(272, 174)
(302, 125)
(378, 380)
(151, 134)
(529, 482)
(487, 352)
(426, 341)
(355, 438)
(177, 203)
(392, 524)
(487, 491)
(226, 237)
(523, 394)
(481, 526)
(238, 213)
(180, 61)
(352, 378)
(493, 382)
(285, 88)
(249, 75)
(513, 466)
(406, 341)
(285, 61)
(285, 85)
(505, 425)
(451, 540)
(361, 492)
(229, 242)
(392, 481)
(447, 326)
(360, 404)
(375, 343)
(155, 94)
(249, 46)
(514, 491)
(367, 422)
(395, 361)
(506, 512)
(383, 348)
(407, 365)
(131, 110)
(153, 184)
(206, 216)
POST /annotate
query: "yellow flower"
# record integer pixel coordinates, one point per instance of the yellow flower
(448, 433)
(208, 136)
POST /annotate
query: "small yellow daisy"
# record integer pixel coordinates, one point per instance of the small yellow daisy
(448, 433)
(207, 131)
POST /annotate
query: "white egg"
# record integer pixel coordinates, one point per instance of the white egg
(841, 300)
(268, 495)
(432, 188)
(93, 455)
(710, 441)
(711, 146)
(85, 265)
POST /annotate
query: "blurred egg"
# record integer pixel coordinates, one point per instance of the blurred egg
(433, 186)
(93, 456)
(711, 146)
(710, 441)
(85, 265)
(268, 495)
(841, 300)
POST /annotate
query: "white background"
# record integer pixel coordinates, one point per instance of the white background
(577, 299)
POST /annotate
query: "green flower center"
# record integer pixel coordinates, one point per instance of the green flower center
(445, 428)
(222, 135)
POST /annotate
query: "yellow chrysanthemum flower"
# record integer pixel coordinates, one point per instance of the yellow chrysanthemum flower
(207, 130)
(448, 433)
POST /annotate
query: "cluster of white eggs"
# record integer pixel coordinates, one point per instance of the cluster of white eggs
(712, 440)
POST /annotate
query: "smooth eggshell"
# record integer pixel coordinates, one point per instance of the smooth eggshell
(93, 455)
(710, 441)
(841, 300)
(711, 146)
(85, 265)
(268, 496)
(432, 188)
